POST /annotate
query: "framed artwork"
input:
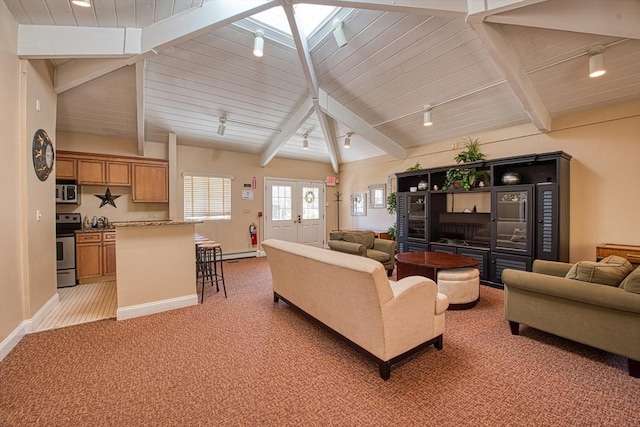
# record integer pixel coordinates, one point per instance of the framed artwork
(377, 196)
(359, 204)
(392, 183)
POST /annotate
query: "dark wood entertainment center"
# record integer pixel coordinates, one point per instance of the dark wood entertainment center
(526, 221)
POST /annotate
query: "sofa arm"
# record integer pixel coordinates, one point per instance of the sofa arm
(575, 290)
(384, 245)
(347, 247)
(551, 268)
(405, 285)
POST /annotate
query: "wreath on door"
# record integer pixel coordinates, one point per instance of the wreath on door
(309, 197)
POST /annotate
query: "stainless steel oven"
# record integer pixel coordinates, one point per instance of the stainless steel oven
(66, 224)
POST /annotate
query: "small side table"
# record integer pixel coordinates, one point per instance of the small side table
(630, 252)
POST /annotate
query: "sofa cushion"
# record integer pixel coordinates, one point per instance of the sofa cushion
(609, 271)
(631, 283)
(378, 255)
(365, 238)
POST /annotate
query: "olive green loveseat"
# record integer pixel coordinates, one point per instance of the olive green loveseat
(599, 315)
(364, 243)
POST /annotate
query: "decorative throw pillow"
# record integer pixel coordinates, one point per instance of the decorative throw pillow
(519, 235)
(610, 271)
(631, 283)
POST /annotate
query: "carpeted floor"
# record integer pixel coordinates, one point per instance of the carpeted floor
(247, 361)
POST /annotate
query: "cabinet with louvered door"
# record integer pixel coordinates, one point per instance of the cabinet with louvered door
(401, 228)
(499, 262)
(548, 224)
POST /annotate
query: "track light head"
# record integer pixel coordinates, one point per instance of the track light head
(305, 141)
(596, 61)
(221, 127)
(347, 140)
(427, 116)
(338, 33)
(258, 44)
(82, 3)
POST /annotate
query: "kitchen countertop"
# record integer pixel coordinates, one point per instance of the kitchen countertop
(158, 223)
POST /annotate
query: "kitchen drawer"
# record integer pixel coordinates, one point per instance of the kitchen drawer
(109, 236)
(88, 237)
(630, 252)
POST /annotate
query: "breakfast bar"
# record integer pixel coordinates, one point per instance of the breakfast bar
(156, 267)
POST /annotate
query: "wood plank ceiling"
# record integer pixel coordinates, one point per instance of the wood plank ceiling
(523, 61)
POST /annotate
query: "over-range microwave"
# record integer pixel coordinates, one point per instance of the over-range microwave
(67, 193)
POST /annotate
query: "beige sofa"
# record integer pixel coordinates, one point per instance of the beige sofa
(602, 316)
(364, 243)
(352, 296)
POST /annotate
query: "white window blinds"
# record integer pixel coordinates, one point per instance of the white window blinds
(207, 197)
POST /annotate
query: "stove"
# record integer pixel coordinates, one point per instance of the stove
(66, 225)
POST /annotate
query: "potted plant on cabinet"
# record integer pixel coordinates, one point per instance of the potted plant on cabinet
(466, 178)
(392, 201)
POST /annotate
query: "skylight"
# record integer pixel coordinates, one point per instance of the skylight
(308, 16)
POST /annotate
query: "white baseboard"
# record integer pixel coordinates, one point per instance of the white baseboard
(155, 307)
(26, 327)
(33, 323)
(12, 340)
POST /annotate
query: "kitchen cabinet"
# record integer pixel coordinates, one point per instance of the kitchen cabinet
(91, 172)
(100, 172)
(118, 173)
(95, 255)
(150, 183)
(65, 168)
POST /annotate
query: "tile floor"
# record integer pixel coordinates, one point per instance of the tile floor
(82, 304)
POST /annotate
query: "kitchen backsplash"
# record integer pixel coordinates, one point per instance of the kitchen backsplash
(125, 209)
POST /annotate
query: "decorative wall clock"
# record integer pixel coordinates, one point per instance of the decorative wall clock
(43, 154)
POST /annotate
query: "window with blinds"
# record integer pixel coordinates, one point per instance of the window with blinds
(207, 197)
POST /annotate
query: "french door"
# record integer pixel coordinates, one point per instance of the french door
(294, 211)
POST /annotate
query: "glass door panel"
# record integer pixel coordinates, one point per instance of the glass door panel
(417, 216)
(512, 214)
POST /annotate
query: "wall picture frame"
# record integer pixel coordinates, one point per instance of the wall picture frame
(377, 196)
(359, 204)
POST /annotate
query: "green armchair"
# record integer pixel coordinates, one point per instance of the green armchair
(364, 243)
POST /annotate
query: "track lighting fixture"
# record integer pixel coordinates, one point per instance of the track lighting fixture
(347, 140)
(83, 3)
(305, 141)
(258, 44)
(596, 61)
(221, 126)
(338, 33)
(427, 116)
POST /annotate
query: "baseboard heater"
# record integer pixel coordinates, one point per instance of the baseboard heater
(248, 254)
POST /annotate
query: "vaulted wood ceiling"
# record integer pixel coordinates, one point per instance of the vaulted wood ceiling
(141, 69)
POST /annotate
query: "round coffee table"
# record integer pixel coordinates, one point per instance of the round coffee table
(427, 264)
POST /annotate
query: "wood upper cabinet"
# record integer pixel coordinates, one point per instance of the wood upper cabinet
(150, 183)
(101, 172)
(65, 168)
(118, 173)
(91, 172)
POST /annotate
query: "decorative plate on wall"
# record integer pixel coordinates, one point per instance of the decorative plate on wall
(43, 154)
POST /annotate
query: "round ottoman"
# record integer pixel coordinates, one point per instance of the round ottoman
(461, 285)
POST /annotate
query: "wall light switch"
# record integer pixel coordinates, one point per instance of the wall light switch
(38, 215)
(37, 105)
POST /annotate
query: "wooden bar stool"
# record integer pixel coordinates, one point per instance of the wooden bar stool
(208, 256)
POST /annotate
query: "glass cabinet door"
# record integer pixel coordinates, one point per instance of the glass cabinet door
(512, 218)
(417, 216)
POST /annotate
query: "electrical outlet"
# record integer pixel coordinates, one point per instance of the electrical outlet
(152, 214)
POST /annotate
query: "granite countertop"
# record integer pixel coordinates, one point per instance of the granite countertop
(96, 230)
(158, 223)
